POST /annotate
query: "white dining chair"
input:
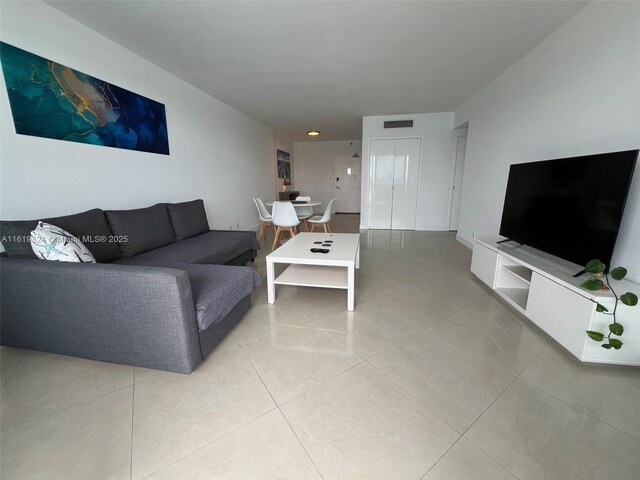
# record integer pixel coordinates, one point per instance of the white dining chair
(265, 218)
(285, 219)
(304, 212)
(323, 220)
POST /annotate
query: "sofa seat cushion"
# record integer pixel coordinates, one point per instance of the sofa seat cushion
(188, 219)
(217, 247)
(141, 229)
(216, 289)
(89, 227)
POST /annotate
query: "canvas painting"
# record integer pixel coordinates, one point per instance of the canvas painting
(284, 164)
(54, 101)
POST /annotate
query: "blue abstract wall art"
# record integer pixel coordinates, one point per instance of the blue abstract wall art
(54, 101)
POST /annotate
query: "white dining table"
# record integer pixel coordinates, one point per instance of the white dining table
(296, 205)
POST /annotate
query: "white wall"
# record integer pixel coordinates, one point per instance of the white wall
(436, 164)
(217, 153)
(314, 174)
(281, 143)
(576, 93)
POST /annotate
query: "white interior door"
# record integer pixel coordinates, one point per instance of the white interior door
(347, 195)
(381, 163)
(405, 184)
(461, 150)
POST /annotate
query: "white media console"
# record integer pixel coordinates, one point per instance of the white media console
(542, 288)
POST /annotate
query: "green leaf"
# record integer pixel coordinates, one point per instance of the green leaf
(616, 329)
(629, 298)
(606, 345)
(595, 266)
(597, 336)
(615, 343)
(618, 273)
(601, 308)
(592, 284)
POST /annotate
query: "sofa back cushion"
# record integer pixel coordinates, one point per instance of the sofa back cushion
(90, 227)
(188, 219)
(141, 229)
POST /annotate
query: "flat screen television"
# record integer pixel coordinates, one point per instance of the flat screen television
(569, 207)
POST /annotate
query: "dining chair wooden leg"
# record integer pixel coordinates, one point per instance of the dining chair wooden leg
(263, 231)
(325, 228)
(329, 227)
(293, 231)
(277, 237)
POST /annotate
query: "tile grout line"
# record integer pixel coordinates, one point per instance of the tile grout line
(414, 398)
(262, 337)
(362, 360)
(439, 321)
(133, 409)
(380, 351)
(66, 408)
(322, 383)
(491, 404)
(282, 413)
(454, 429)
(464, 354)
(301, 444)
(15, 367)
(209, 443)
(258, 375)
(573, 407)
(104, 394)
(10, 370)
(221, 436)
(441, 457)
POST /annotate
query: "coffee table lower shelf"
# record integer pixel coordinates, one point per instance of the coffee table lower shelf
(314, 276)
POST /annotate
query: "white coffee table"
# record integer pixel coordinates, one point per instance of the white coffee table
(335, 269)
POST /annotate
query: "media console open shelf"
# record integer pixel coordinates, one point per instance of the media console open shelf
(542, 288)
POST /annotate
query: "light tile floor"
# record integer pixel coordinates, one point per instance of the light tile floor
(430, 378)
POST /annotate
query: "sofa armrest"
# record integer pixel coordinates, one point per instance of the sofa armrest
(136, 315)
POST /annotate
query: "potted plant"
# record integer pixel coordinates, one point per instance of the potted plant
(599, 280)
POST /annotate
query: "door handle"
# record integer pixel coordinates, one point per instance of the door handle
(338, 187)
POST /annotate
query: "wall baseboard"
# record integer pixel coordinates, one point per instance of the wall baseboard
(432, 228)
(464, 241)
(419, 228)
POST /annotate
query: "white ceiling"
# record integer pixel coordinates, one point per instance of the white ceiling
(297, 66)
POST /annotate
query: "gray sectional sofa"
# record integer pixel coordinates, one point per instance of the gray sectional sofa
(164, 292)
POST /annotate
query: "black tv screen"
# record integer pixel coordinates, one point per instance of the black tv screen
(570, 207)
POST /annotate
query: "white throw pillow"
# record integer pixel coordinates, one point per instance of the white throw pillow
(53, 243)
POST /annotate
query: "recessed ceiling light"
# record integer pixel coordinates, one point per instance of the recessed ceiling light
(313, 133)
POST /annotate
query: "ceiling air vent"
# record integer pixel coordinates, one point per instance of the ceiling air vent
(399, 124)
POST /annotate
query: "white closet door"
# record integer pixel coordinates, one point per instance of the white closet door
(382, 159)
(405, 184)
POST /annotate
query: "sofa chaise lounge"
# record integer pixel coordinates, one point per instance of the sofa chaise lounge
(164, 291)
